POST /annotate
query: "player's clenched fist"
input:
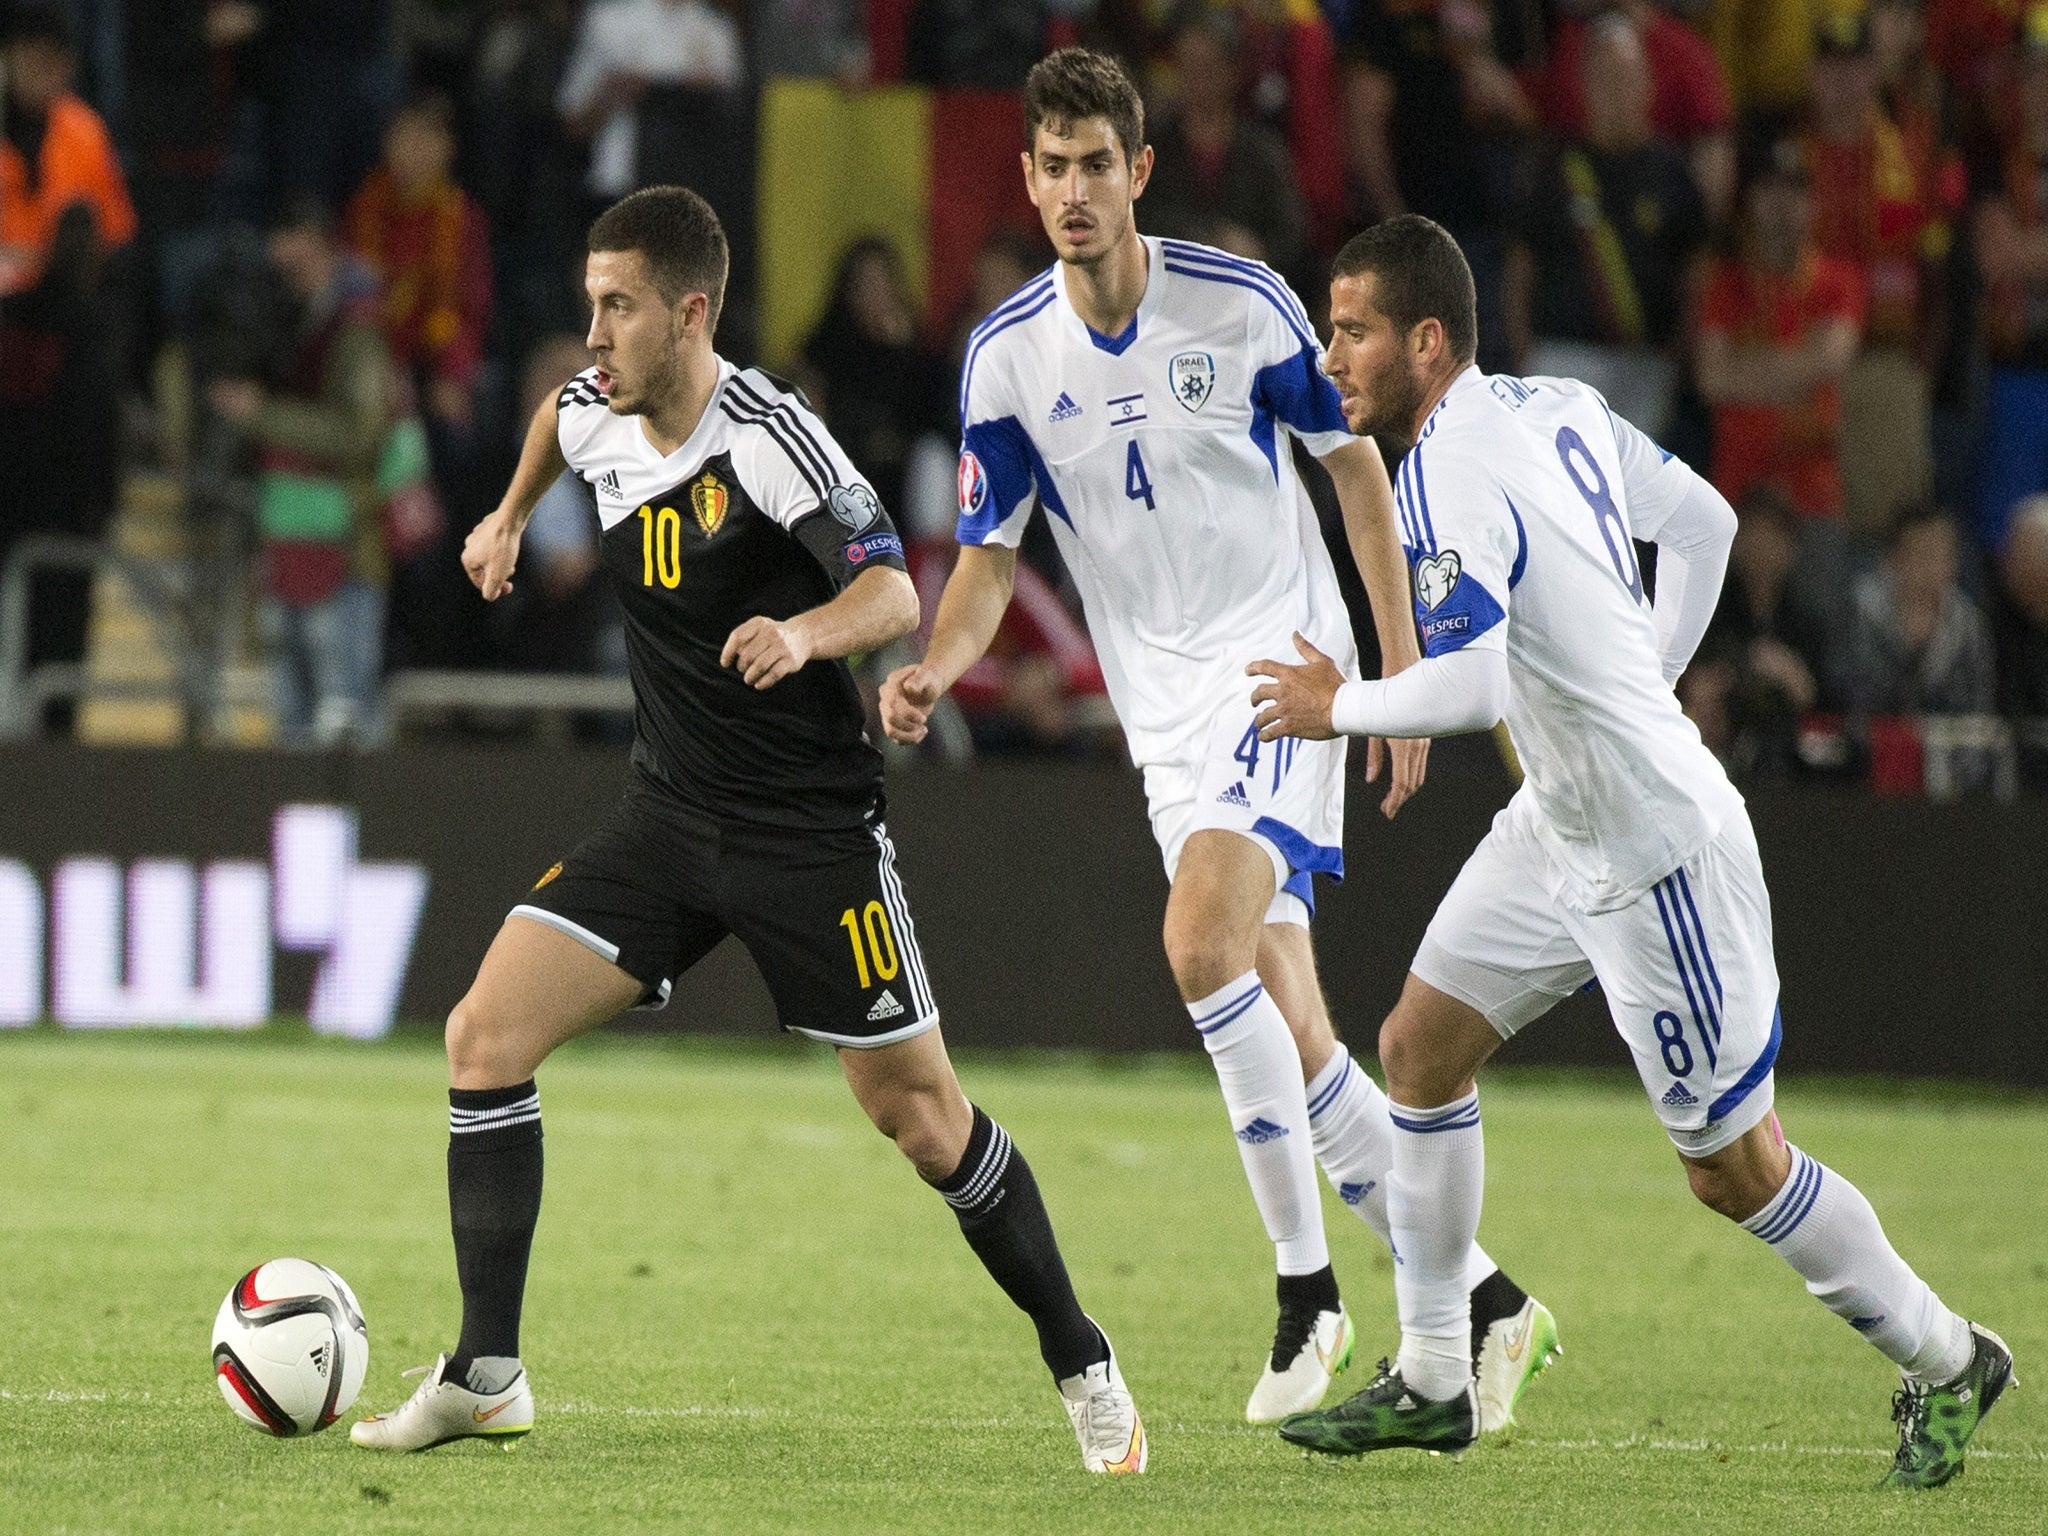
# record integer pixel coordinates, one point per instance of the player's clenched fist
(490, 552)
(765, 651)
(909, 695)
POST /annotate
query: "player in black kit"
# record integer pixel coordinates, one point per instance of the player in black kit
(751, 559)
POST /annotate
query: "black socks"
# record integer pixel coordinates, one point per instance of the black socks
(1310, 1293)
(1494, 1298)
(494, 1176)
(1003, 1219)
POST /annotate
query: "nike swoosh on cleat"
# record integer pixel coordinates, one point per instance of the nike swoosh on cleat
(1133, 1457)
(481, 1416)
(1518, 1341)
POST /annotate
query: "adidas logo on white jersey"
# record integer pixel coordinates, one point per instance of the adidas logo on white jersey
(886, 1007)
(1064, 409)
(1677, 1096)
(609, 485)
(1234, 795)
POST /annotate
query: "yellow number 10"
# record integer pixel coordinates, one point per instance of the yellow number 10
(880, 946)
(661, 546)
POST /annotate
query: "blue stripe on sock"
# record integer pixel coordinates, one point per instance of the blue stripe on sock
(1421, 1129)
(1203, 1018)
(1328, 1096)
(1243, 1007)
(1804, 1190)
(1452, 1117)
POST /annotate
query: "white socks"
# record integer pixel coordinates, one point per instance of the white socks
(1260, 1074)
(1354, 1141)
(1439, 1177)
(1821, 1225)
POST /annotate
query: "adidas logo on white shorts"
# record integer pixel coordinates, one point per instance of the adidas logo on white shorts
(1677, 1097)
(886, 1007)
(1234, 795)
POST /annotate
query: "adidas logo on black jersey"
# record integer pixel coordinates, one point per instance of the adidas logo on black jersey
(886, 1007)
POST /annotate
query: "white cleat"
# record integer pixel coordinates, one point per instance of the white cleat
(1104, 1417)
(1300, 1387)
(1515, 1352)
(440, 1411)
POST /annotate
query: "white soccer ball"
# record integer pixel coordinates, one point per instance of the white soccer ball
(290, 1347)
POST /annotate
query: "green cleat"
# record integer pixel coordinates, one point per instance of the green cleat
(1935, 1423)
(1385, 1416)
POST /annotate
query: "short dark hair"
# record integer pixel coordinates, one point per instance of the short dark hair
(679, 235)
(1075, 83)
(1422, 276)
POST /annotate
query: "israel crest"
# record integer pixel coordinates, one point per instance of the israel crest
(1194, 375)
(854, 506)
(709, 499)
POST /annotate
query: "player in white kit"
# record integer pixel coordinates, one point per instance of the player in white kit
(1142, 392)
(1626, 855)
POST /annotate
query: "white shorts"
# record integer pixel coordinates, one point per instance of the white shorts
(1687, 968)
(1287, 796)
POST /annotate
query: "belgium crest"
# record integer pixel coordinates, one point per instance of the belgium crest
(709, 499)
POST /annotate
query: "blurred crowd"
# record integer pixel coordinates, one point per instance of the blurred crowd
(321, 258)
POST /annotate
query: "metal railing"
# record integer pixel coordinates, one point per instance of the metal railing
(162, 589)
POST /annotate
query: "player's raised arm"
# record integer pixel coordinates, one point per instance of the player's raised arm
(1692, 526)
(997, 494)
(970, 611)
(805, 482)
(877, 606)
(492, 548)
(1367, 499)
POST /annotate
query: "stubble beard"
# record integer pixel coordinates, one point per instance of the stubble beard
(1397, 398)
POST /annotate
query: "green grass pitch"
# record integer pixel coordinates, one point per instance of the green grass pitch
(747, 1315)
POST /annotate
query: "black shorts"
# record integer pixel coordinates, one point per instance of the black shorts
(822, 913)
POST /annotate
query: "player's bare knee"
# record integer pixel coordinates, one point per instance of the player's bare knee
(1403, 1060)
(1203, 961)
(1720, 1189)
(476, 1053)
(917, 1121)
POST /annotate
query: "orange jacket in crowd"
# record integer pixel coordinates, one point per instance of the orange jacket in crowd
(77, 165)
(432, 254)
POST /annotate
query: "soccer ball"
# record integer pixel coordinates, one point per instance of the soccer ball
(290, 1347)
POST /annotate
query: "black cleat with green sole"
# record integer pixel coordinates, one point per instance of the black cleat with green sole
(1935, 1423)
(1385, 1417)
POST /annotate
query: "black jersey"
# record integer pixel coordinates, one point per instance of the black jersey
(759, 513)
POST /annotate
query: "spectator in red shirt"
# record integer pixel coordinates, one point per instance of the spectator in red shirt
(1879, 203)
(1779, 326)
(428, 244)
(1689, 102)
(1877, 195)
(55, 150)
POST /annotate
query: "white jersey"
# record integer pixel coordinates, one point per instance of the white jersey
(1160, 457)
(1519, 505)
